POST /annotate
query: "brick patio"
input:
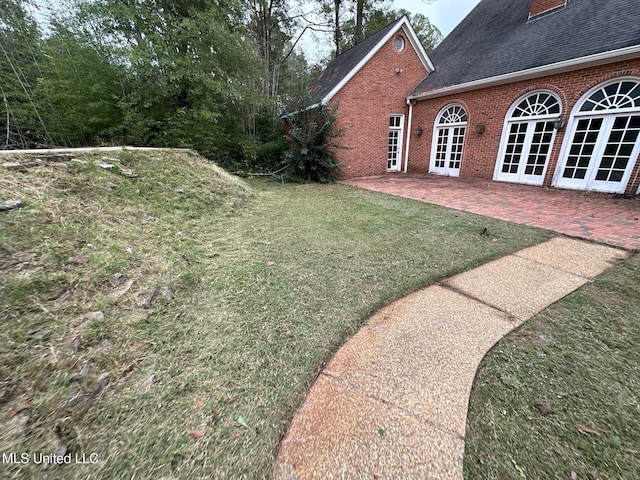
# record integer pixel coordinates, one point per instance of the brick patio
(604, 218)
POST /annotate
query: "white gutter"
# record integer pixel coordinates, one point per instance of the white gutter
(406, 150)
(553, 68)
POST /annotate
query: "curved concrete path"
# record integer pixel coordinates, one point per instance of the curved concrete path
(392, 404)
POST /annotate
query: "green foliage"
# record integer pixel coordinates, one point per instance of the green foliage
(19, 69)
(312, 142)
(190, 71)
(78, 91)
(428, 34)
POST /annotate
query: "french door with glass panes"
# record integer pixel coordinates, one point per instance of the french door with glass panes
(603, 139)
(448, 141)
(527, 138)
(448, 153)
(525, 152)
(394, 144)
(602, 153)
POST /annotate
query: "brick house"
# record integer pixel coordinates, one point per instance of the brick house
(542, 92)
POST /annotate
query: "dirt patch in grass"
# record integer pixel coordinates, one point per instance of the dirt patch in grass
(561, 396)
(168, 319)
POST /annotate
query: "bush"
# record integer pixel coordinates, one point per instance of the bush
(312, 137)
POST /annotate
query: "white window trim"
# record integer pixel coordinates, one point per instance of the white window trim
(508, 120)
(400, 131)
(574, 118)
(434, 140)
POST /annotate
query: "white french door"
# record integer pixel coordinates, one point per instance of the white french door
(448, 150)
(602, 143)
(527, 138)
(602, 153)
(448, 141)
(525, 152)
(394, 144)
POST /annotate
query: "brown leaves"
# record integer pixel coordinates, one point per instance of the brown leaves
(17, 410)
(588, 431)
(196, 434)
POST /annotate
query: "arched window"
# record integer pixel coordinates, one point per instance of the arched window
(527, 138)
(616, 96)
(602, 143)
(448, 141)
(453, 114)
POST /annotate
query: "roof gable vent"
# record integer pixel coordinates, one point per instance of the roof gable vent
(542, 7)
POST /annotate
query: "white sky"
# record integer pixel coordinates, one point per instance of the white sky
(444, 14)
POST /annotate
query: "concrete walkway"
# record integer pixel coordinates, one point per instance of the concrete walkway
(601, 217)
(392, 403)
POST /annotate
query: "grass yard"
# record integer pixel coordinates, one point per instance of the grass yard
(560, 397)
(218, 301)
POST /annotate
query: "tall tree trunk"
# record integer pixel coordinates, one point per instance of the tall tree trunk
(337, 31)
(359, 14)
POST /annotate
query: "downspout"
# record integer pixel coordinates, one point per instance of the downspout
(406, 150)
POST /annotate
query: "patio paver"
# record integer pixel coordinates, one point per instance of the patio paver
(603, 218)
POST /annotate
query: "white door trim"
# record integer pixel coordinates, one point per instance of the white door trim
(589, 182)
(608, 116)
(399, 152)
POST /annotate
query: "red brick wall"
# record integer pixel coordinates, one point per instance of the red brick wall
(367, 101)
(490, 106)
(541, 6)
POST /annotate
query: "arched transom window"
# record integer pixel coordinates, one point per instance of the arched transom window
(527, 138)
(602, 143)
(448, 141)
(453, 114)
(616, 96)
(538, 104)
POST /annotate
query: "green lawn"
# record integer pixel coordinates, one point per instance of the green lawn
(562, 394)
(256, 286)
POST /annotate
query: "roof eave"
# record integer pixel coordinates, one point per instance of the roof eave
(295, 112)
(413, 39)
(603, 58)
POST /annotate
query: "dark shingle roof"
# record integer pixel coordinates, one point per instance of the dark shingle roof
(339, 68)
(496, 38)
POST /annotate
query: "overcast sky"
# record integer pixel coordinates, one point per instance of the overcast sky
(444, 14)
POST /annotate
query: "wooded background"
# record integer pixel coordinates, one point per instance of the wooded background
(212, 75)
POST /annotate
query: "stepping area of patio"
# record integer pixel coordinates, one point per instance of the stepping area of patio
(605, 218)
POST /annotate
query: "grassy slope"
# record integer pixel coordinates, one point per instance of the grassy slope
(581, 358)
(268, 281)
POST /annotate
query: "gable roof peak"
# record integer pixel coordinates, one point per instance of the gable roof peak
(346, 65)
